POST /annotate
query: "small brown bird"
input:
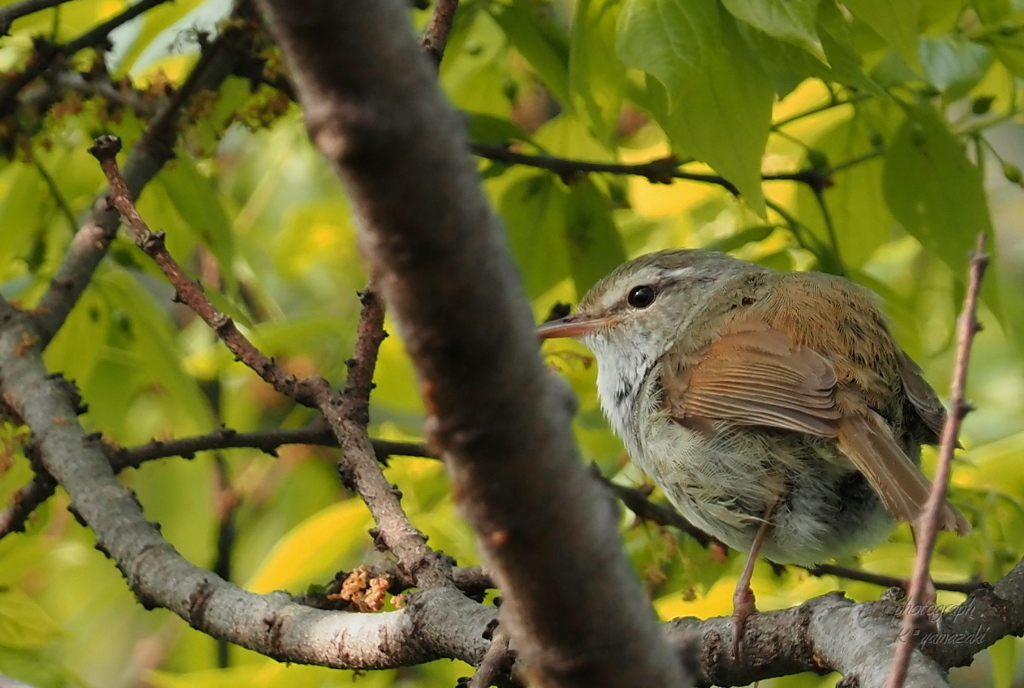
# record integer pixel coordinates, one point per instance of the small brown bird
(775, 410)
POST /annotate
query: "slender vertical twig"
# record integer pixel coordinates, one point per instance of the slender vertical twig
(435, 39)
(913, 616)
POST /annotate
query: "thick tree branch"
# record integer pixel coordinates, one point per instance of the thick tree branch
(496, 415)
(928, 526)
(434, 623)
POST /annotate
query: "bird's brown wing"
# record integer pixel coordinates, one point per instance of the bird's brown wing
(923, 398)
(756, 376)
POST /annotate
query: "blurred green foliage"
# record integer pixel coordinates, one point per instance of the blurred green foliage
(905, 115)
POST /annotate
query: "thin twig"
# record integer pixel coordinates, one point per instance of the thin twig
(152, 151)
(655, 171)
(346, 414)
(267, 441)
(62, 203)
(190, 292)
(966, 587)
(821, 108)
(830, 227)
(637, 502)
(358, 467)
(860, 159)
(435, 39)
(914, 615)
(99, 33)
(24, 501)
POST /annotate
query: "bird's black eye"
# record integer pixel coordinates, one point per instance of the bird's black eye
(641, 297)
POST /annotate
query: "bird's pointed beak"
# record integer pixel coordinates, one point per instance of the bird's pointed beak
(575, 326)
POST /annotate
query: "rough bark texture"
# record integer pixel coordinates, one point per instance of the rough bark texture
(574, 607)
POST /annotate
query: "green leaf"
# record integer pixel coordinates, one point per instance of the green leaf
(314, 549)
(596, 76)
(855, 201)
(484, 128)
(787, 65)
(1010, 51)
(566, 136)
(38, 668)
(671, 39)
(953, 64)
(474, 70)
(539, 39)
(164, 21)
(23, 195)
(23, 623)
(792, 21)
(936, 193)
(991, 11)
(144, 339)
(721, 108)
(1004, 661)
(750, 235)
(896, 22)
(595, 246)
(837, 43)
(534, 210)
(81, 340)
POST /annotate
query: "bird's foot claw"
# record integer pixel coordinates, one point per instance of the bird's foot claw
(743, 607)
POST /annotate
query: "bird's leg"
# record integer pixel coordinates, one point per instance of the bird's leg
(743, 598)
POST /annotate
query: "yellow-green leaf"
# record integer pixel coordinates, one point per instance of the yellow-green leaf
(936, 193)
(313, 550)
(23, 623)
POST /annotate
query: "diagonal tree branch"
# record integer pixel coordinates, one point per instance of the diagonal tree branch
(434, 624)
(494, 413)
(346, 414)
(190, 292)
